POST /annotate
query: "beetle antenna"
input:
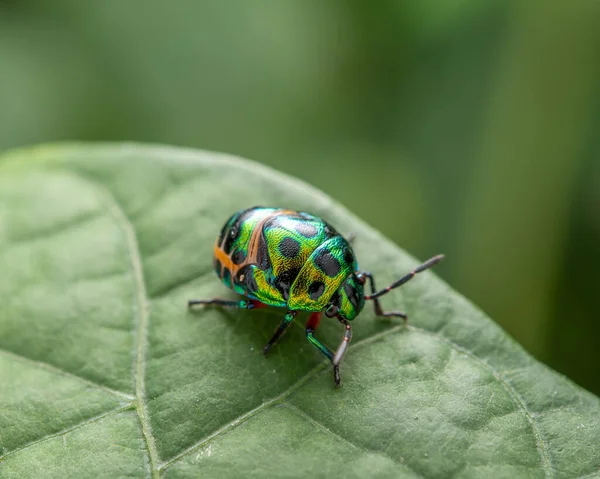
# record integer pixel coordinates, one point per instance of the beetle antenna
(426, 265)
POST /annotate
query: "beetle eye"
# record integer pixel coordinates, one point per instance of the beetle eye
(331, 311)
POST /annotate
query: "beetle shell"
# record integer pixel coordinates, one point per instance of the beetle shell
(288, 258)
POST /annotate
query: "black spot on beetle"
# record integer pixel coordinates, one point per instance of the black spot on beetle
(251, 284)
(236, 229)
(352, 295)
(327, 263)
(336, 299)
(238, 256)
(289, 247)
(316, 290)
(306, 229)
(348, 256)
(284, 281)
(262, 258)
(232, 236)
(246, 278)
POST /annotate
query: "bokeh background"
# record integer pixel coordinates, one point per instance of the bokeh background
(466, 127)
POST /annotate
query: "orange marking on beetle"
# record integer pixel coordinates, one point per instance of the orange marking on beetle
(225, 260)
(252, 257)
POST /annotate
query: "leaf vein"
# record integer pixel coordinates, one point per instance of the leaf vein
(142, 317)
(276, 400)
(62, 372)
(56, 230)
(244, 417)
(541, 443)
(69, 429)
(329, 432)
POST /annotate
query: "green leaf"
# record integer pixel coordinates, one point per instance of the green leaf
(105, 372)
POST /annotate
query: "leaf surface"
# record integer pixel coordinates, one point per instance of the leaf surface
(105, 373)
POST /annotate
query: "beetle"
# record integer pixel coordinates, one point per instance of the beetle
(295, 260)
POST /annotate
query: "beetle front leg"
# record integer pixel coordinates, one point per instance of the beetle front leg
(341, 350)
(374, 296)
(282, 328)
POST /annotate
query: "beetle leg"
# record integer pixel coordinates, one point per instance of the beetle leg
(282, 328)
(341, 350)
(311, 325)
(241, 304)
(378, 309)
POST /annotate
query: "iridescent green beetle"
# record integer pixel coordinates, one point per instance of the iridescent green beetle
(291, 259)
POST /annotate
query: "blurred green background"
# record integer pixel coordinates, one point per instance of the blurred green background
(466, 127)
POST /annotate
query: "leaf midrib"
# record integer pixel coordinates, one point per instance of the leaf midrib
(142, 315)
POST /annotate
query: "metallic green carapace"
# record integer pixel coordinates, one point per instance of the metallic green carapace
(291, 259)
